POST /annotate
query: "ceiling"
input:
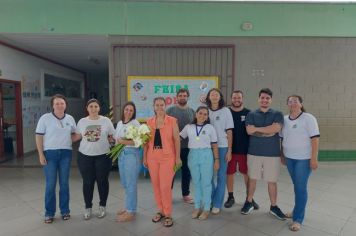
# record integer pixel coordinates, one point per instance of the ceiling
(87, 53)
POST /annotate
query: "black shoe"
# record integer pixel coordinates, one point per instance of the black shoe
(230, 202)
(247, 208)
(255, 205)
(274, 210)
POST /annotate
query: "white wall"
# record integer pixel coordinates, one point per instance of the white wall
(19, 66)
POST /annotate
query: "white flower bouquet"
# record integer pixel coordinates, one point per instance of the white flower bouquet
(139, 135)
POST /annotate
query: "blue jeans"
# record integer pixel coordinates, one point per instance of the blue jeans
(299, 171)
(58, 162)
(201, 165)
(129, 163)
(218, 193)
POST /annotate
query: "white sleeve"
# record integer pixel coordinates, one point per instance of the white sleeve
(184, 132)
(118, 128)
(312, 126)
(280, 133)
(111, 129)
(136, 123)
(213, 136)
(78, 129)
(41, 127)
(229, 120)
(73, 126)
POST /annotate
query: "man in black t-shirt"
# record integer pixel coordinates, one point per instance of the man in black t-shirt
(239, 146)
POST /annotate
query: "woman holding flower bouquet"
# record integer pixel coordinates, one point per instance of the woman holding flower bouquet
(161, 155)
(128, 161)
(93, 162)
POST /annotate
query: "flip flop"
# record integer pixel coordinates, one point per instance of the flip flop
(120, 212)
(65, 217)
(158, 217)
(48, 219)
(295, 226)
(168, 222)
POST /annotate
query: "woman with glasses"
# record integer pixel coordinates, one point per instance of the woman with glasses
(300, 145)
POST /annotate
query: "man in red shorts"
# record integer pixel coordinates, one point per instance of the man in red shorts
(239, 147)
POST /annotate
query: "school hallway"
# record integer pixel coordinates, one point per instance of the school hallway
(331, 207)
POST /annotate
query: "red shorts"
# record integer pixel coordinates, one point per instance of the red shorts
(237, 159)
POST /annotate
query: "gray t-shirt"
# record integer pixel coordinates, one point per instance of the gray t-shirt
(184, 116)
(264, 146)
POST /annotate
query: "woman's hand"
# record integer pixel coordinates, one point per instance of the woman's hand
(283, 160)
(144, 162)
(43, 160)
(313, 164)
(178, 161)
(228, 156)
(119, 140)
(216, 164)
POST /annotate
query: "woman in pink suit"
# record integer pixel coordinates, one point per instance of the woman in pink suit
(161, 153)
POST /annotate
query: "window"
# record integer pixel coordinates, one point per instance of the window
(54, 84)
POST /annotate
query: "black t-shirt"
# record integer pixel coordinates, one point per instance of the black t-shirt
(240, 137)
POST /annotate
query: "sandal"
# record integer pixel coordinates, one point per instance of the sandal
(195, 213)
(65, 217)
(168, 222)
(120, 212)
(158, 217)
(126, 217)
(48, 220)
(295, 226)
(204, 215)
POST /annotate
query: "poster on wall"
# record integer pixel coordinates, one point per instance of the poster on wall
(143, 89)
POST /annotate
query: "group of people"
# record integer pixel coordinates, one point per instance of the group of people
(214, 138)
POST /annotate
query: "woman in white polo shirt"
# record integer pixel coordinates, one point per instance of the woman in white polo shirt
(300, 145)
(54, 145)
(201, 159)
(94, 164)
(221, 118)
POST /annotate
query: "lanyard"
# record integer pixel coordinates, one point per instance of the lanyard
(198, 132)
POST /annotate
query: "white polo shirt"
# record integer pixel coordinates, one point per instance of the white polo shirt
(121, 128)
(56, 132)
(199, 136)
(95, 135)
(297, 136)
(222, 121)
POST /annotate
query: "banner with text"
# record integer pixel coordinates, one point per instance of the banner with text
(143, 89)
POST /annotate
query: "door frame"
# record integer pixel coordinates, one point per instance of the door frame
(18, 114)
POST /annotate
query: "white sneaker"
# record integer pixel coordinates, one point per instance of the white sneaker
(102, 212)
(87, 214)
(215, 210)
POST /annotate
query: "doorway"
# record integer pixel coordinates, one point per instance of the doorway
(11, 133)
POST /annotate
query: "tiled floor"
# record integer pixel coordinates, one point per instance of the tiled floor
(331, 208)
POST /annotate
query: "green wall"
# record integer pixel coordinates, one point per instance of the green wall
(172, 18)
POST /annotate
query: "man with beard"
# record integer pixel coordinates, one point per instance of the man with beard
(264, 151)
(185, 115)
(239, 147)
